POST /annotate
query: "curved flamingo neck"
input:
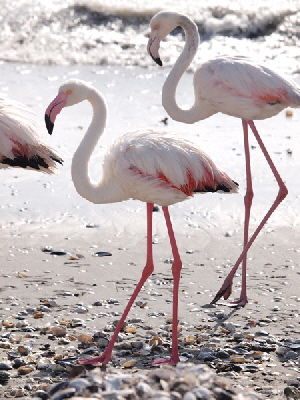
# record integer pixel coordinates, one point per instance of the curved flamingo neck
(107, 190)
(198, 111)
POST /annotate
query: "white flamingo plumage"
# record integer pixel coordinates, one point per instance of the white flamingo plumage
(148, 165)
(236, 86)
(20, 144)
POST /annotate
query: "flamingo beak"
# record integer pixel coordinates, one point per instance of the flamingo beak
(152, 48)
(53, 110)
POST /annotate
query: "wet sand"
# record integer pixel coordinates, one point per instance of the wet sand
(39, 213)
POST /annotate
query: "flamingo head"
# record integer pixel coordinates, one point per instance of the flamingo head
(161, 25)
(70, 92)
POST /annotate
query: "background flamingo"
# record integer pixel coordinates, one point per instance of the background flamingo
(148, 165)
(235, 86)
(20, 144)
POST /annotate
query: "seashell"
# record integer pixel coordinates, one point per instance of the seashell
(41, 394)
(21, 274)
(79, 384)
(57, 368)
(63, 341)
(67, 322)
(92, 226)
(113, 301)
(179, 328)
(102, 254)
(289, 113)
(72, 337)
(81, 310)
(75, 371)
(38, 315)
(4, 378)
(295, 346)
(4, 345)
(83, 338)
(256, 355)
(137, 345)
(251, 368)
(8, 324)
(58, 357)
(47, 249)
(18, 362)
(25, 370)
(49, 303)
(129, 364)
(142, 353)
(190, 339)
(130, 329)
(24, 351)
(58, 331)
(4, 366)
(125, 346)
(238, 359)
(102, 342)
(57, 387)
(58, 253)
(98, 303)
(291, 355)
(15, 340)
(155, 341)
(115, 323)
(144, 390)
(224, 330)
(64, 394)
(17, 392)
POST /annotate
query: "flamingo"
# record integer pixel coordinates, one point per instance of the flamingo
(233, 85)
(20, 144)
(149, 165)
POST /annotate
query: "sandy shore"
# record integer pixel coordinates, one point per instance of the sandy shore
(39, 211)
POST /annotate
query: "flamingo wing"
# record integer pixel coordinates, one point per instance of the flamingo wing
(164, 169)
(20, 144)
(239, 87)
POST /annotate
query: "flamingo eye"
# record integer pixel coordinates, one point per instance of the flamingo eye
(68, 92)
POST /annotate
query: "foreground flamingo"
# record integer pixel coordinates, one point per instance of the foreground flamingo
(235, 86)
(148, 165)
(20, 144)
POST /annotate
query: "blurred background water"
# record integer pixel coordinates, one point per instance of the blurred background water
(114, 32)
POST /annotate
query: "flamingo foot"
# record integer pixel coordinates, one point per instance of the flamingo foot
(224, 292)
(96, 361)
(243, 300)
(168, 361)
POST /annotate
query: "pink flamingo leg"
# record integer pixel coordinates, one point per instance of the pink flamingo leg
(248, 203)
(282, 193)
(176, 269)
(106, 356)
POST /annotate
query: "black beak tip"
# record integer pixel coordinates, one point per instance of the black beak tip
(49, 124)
(158, 61)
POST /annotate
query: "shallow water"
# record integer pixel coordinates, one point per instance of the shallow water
(109, 32)
(134, 102)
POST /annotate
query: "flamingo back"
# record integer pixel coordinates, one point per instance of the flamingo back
(20, 144)
(241, 88)
(160, 167)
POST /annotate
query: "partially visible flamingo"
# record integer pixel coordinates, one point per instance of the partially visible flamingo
(20, 144)
(149, 165)
(236, 86)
